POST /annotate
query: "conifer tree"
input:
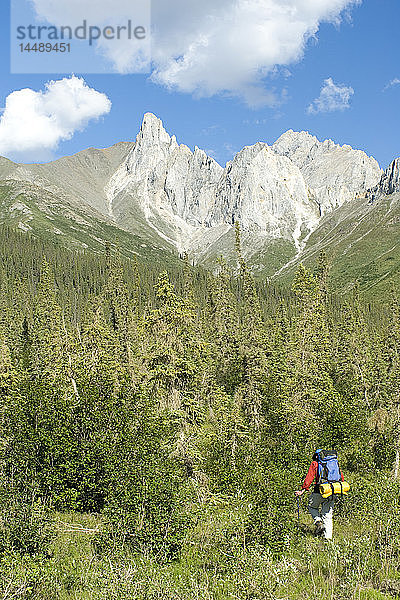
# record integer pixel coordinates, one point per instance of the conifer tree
(386, 419)
(47, 346)
(358, 380)
(176, 354)
(9, 378)
(225, 330)
(253, 341)
(121, 314)
(321, 274)
(310, 396)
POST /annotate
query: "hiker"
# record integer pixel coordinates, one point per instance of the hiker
(324, 469)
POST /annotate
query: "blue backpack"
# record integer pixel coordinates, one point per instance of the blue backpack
(328, 466)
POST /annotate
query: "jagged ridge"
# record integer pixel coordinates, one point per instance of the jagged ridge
(187, 201)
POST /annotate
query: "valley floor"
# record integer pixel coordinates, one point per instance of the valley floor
(215, 565)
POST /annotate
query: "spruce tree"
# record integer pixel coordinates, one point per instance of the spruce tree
(386, 419)
(47, 345)
(310, 396)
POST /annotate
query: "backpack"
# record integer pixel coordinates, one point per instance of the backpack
(328, 466)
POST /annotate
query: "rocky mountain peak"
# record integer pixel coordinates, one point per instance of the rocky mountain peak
(167, 182)
(301, 146)
(279, 191)
(267, 194)
(185, 198)
(152, 132)
(295, 144)
(389, 183)
(248, 153)
(335, 174)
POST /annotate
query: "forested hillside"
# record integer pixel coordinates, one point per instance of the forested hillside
(174, 414)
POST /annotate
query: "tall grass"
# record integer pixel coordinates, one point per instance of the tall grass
(219, 563)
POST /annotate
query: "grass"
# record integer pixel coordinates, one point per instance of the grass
(216, 564)
(361, 241)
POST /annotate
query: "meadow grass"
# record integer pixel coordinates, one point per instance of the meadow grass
(216, 563)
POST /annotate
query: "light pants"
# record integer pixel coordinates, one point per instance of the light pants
(322, 509)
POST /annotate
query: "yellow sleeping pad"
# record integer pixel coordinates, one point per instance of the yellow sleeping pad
(339, 488)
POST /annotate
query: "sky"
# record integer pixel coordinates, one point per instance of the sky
(220, 77)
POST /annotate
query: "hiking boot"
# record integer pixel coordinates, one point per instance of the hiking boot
(319, 528)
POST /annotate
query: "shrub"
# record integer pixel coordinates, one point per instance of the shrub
(26, 525)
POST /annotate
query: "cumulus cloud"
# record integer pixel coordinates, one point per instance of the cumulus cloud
(34, 123)
(392, 83)
(209, 47)
(333, 97)
(230, 47)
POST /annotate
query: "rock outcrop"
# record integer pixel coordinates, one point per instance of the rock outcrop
(189, 191)
(389, 183)
(265, 192)
(336, 174)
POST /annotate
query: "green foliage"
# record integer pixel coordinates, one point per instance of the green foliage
(26, 524)
(271, 522)
(143, 507)
(163, 402)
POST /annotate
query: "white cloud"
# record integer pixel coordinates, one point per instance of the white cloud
(127, 56)
(213, 130)
(332, 98)
(256, 122)
(34, 123)
(208, 47)
(392, 83)
(230, 46)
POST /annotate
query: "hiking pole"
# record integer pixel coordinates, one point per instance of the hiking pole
(298, 510)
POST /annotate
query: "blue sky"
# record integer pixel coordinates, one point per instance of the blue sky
(359, 55)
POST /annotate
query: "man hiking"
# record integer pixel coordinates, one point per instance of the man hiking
(325, 470)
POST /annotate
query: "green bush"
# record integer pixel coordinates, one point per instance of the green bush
(144, 506)
(26, 525)
(146, 515)
(272, 520)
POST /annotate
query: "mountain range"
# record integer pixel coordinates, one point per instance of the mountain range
(158, 199)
